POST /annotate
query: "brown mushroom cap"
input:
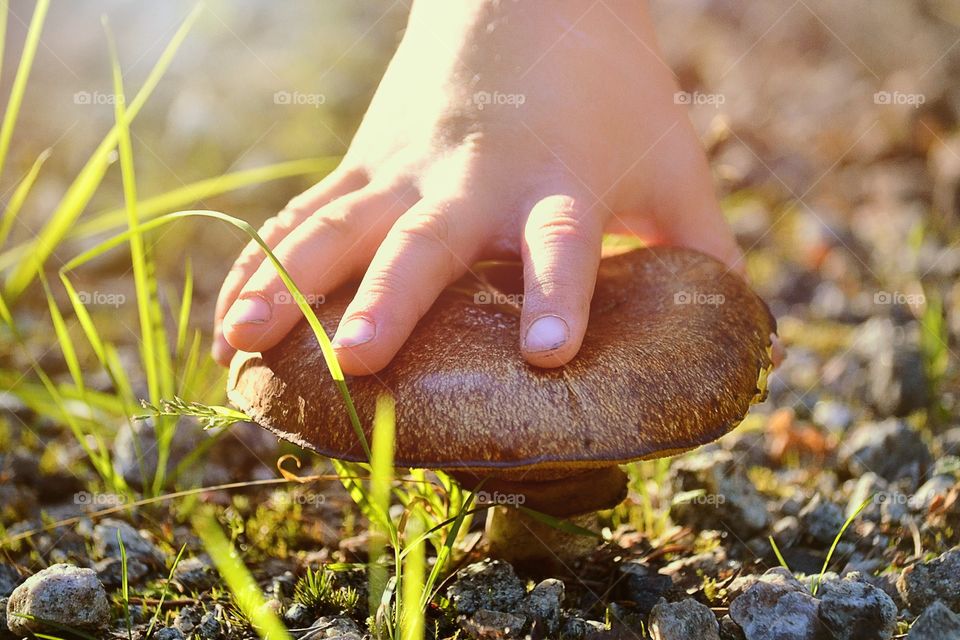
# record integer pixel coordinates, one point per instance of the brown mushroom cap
(676, 351)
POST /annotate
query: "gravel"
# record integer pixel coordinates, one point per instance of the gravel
(491, 585)
(939, 579)
(683, 620)
(61, 594)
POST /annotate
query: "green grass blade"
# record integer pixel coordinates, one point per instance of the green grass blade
(815, 585)
(776, 551)
(125, 585)
(63, 337)
(19, 86)
(381, 482)
(20, 196)
(330, 357)
(183, 313)
(113, 220)
(241, 584)
(166, 592)
(80, 192)
(412, 589)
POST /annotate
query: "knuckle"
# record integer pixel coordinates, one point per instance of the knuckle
(431, 227)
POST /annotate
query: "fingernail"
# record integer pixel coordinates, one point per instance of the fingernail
(355, 332)
(546, 334)
(251, 310)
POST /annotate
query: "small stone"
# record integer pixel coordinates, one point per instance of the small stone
(786, 531)
(61, 594)
(835, 417)
(196, 574)
(777, 607)
(9, 579)
(726, 499)
(187, 620)
(110, 571)
(491, 625)
(936, 487)
(822, 520)
(336, 627)
(642, 585)
(491, 585)
(892, 449)
(683, 620)
(297, 616)
(937, 622)
(855, 610)
(209, 627)
(543, 605)
(136, 545)
(939, 579)
(168, 633)
(730, 630)
(577, 628)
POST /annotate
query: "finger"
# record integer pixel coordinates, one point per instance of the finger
(428, 248)
(324, 251)
(561, 254)
(338, 183)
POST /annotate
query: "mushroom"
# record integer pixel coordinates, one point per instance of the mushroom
(676, 351)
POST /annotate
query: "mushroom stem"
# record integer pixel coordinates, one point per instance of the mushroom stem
(526, 542)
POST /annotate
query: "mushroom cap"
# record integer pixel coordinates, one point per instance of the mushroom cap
(676, 351)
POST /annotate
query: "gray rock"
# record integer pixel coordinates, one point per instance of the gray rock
(209, 628)
(777, 607)
(491, 585)
(642, 585)
(110, 571)
(577, 628)
(135, 449)
(836, 417)
(936, 623)
(168, 633)
(335, 627)
(726, 499)
(730, 630)
(9, 579)
(896, 378)
(489, 625)
(939, 579)
(892, 449)
(61, 594)
(937, 486)
(187, 620)
(822, 520)
(786, 531)
(543, 605)
(105, 543)
(855, 610)
(682, 620)
(298, 616)
(196, 574)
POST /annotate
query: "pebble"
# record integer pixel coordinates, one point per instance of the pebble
(134, 543)
(489, 625)
(833, 416)
(196, 574)
(168, 633)
(110, 571)
(543, 605)
(298, 616)
(336, 627)
(135, 449)
(577, 628)
(491, 585)
(683, 620)
(892, 449)
(939, 579)
(821, 520)
(937, 622)
(855, 610)
(62, 593)
(9, 579)
(642, 585)
(728, 499)
(777, 607)
(936, 487)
